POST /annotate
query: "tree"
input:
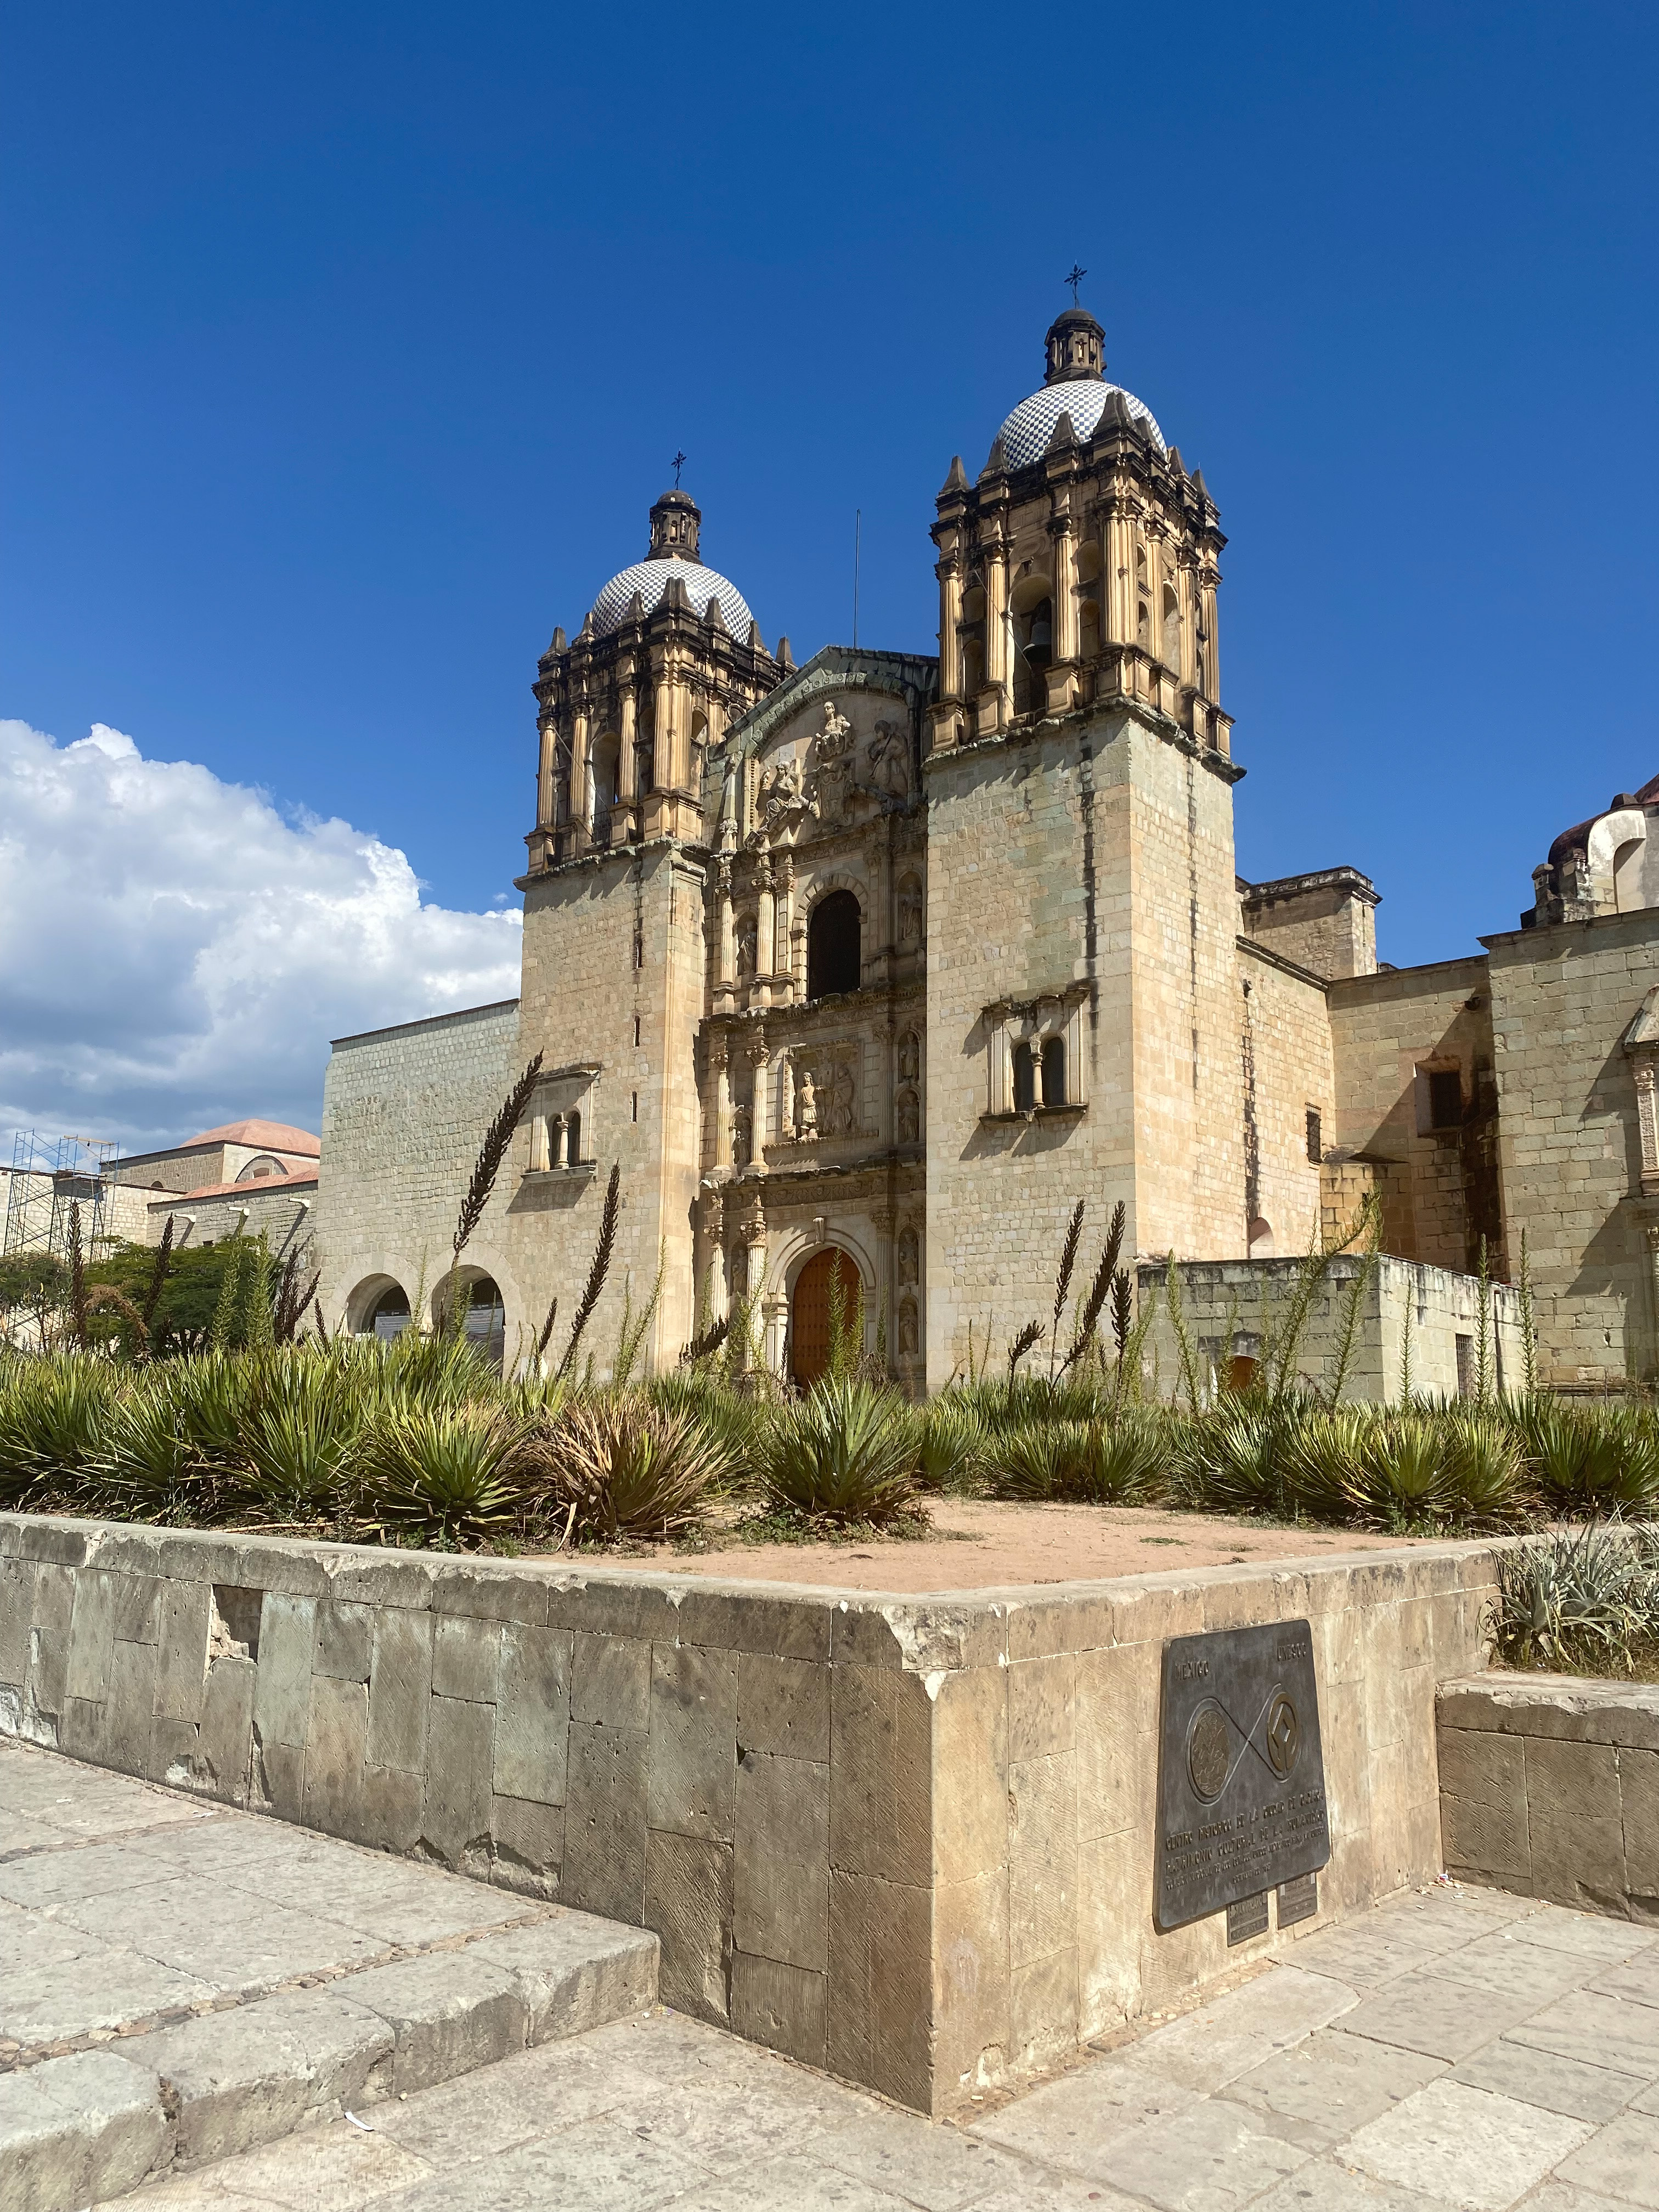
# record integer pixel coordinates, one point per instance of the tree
(33, 1283)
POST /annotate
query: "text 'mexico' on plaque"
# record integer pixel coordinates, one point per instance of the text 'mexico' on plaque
(1241, 1770)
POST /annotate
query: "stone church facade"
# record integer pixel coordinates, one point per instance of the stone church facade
(895, 958)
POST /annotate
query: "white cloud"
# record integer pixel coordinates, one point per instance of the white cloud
(175, 953)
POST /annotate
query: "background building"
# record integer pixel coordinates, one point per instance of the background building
(880, 964)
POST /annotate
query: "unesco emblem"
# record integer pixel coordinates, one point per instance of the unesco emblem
(1208, 1749)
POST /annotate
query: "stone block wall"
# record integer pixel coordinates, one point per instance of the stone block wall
(908, 1840)
(1561, 1000)
(1440, 1186)
(1233, 1307)
(1287, 1070)
(1549, 1787)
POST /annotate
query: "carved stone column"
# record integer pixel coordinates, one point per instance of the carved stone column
(766, 935)
(713, 1232)
(995, 704)
(581, 812)
(949, 572)
(1647, 1123)
(884, 1320)
(759, 1118)
(784, 871)
(887, 1084)
(556, 1129)
(721, 1069)
(1060, 675)
(545, 796)
(1651, 1238)
(725, 986)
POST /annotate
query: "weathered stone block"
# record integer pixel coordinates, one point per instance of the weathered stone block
(343, 1641)
(337, 1747)
(466, 1658)
(782, 1860)
(783, 1705)
(1486, 1768)
(460, 1761)
(1042, 1707)
(880, 1775)
(1116, 1747)
(137, 1607)
(224, 1745)
(969, 1790)
(782, 2007)
(693, 1741)
(971, 1980)
(1577, 1859)
(399, 1687)
(880, 1993)
(1638, 1792)
(1042, 1856)
(187, 1609)
(610, 1680)
(282, 1704)
(278, 1780)
(526, 1845)
(483, 1591)
(532, 1721)
(687, 1901)
(448, 2014)
(605, 1825)
(1482, 1839)
(16, 1618)
(1043, 2009)
(1568, 1781)
(1114, 1903)
(91, 1634)
(131, 1703)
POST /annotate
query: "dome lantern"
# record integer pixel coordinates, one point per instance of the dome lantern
(1077, 349)
(676, 521)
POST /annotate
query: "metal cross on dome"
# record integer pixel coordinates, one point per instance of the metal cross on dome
(679, 463)
(1074, 277)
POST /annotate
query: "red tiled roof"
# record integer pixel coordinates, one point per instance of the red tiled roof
(303, 1180)
(266, 1136)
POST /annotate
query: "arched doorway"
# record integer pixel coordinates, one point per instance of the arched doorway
(810, 1312)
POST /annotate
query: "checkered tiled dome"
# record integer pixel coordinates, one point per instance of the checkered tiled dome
(1026, 432)
(651, 579)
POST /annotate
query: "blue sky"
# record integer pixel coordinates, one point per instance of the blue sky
(348, 346)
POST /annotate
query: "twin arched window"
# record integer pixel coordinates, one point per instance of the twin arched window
(1049, 1067)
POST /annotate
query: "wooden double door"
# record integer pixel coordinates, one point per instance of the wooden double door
(809, 1309)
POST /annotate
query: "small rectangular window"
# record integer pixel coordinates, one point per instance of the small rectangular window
(1445, 1099)
(1316, 1150)
(636, 1029)
(636, 1105)
(1025, 1079)
(639, 952)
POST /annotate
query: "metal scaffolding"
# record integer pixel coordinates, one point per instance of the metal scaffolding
(48, 1176)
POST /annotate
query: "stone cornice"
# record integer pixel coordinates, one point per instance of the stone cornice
(1115, 704)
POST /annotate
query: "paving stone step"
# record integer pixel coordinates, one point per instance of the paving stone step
(76, 2131)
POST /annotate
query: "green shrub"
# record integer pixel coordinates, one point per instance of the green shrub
(440, 1472)
(614, 1466)
(1590, 1459)
(298, 1441)
(846, 1452)
(146, 1466)
(952, 1444)
(53, 1415)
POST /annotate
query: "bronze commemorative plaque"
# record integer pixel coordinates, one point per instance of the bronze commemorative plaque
(1241, 1773)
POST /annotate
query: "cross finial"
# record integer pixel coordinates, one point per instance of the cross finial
(1074, 277)
(679, 463)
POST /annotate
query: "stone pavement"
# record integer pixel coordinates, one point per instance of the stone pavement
(1457, 2048)
(179, 1980)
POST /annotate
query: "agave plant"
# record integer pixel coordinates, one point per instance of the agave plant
(147, 1465)
(614, 1466)
(1482, 1465)
(846, 1452)
(298, 1440)
(1232, 1461)
(440, 1472)
(1406, 1477)
(1127, 1460)
(1041, 1460)
(1327, 1462)
(951, 1445)
(1573, 1593)
(52, 1417)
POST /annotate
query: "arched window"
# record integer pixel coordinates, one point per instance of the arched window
(1053, 1071)
(1034, 636)
(1025, 1079)
(1171, 629)
(388, 1316)
(486, 1319)
(573, 1139)
(834, 954)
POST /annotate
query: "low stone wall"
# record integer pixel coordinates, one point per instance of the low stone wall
(1549, 1786)
(910, 1839)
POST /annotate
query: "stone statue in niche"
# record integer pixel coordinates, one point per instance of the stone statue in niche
(843, 1115)
(781, 790)
(748, 937)
(889, 755)
(909, 1333)
(740, 1138)
(909, 1256)
(806, 1109)
(910, 911)
(909, 1057)
(910, 1118)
